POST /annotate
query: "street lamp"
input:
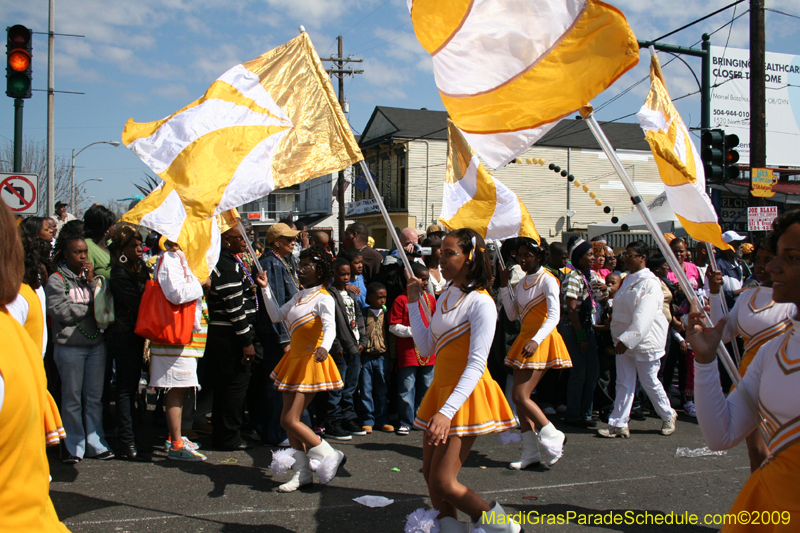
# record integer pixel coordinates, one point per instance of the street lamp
(74, 155)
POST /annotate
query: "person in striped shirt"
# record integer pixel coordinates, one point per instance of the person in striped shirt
(232, 344)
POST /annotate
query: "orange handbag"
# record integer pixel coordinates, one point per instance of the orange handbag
(162, 321)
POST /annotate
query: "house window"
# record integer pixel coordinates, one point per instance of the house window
(271, 206)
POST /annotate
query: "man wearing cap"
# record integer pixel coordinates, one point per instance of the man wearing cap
(731, 267)
(277, 262)
(62, 217)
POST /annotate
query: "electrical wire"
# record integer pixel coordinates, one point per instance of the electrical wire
(781, 13)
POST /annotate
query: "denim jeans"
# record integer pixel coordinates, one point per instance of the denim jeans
(583, 374)
(82, 369)
(374, 390)
(340, 406)
(412, 384)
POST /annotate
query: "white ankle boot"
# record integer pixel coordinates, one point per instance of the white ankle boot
(449, 524)
(552, 442)
(530, 451)
(325, 461)
(302, 473)
(496, 520)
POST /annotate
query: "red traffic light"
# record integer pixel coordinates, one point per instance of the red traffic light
(19, 35)
(19, 60)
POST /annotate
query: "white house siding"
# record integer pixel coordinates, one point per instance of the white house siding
(543, 191)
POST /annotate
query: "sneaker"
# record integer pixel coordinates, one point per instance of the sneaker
(367, 429)
(319, 431)
(352, 427)
(105, 456)
(613, 432)
(388, 428)
(203, 428)
(549, 410)
(688, 409)
(285, 443)
(335, 431)
(561, 409)
(403, 430)
(253, 435)
(668, 426)
(186, 443)
(71, 460)
(185, 454)
(638, 414)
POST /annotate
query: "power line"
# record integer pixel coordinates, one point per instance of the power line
(382, 35)
(366, 17)
(781, 13)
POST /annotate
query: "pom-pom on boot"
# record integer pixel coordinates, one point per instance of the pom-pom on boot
(325, 461)
(448, 524)
(496, 520)
(552, 442)
(423, 521)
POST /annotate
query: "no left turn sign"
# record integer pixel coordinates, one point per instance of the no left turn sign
(20, 192)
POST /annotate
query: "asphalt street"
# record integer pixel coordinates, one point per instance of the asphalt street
(235, 492)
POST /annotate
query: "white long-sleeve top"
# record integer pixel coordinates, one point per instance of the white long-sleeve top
(754, 315)
(533, 287)
(772, 379)
(453, 310)
(638, 320)
(313, 301)
(179, 284)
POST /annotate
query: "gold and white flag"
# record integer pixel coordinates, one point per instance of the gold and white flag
(678, 162)
(264, 124)
(474, 199)
(508, 70)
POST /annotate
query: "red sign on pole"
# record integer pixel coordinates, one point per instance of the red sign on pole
(20, 192)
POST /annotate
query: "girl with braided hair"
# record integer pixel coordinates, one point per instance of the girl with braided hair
(306, 368)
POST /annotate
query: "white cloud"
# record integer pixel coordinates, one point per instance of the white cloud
(173, 91)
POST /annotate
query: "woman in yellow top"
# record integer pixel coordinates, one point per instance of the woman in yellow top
(306, 368)
(538, 348)
(463, 401)
(25, 503)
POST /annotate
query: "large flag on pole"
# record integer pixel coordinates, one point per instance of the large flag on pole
(474, 199)
(265, 124)
(678, 162)
(508, 71)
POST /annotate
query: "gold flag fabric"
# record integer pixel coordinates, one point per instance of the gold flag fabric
(678, 162)
(475, 199)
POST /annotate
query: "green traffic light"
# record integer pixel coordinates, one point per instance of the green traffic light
(18, 86)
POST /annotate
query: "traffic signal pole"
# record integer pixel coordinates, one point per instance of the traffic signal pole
(18, 103)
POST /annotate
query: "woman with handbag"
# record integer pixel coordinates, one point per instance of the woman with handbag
(80, 352)
(173, 367)
(128, 277)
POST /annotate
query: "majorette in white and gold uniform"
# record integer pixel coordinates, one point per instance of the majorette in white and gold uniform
(537, 304)
(773, 380)
(461, 334)
(310, 316)
(755, 317)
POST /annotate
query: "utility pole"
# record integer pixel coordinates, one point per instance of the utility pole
(758, 90)
(51, 134)
(339, 71)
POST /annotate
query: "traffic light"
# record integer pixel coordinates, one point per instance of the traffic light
(713, 154)
(18, 62)
(731, 157)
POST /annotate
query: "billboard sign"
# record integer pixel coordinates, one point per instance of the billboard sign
(730, 102)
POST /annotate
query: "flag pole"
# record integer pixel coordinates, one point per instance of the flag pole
(588, 115)
(390, 227)
(502, 263)
(723, 300)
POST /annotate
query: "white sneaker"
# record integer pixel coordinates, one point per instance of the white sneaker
(689, 409)
(668, 426)
(285, 443)
(612, 432)
(186, 442)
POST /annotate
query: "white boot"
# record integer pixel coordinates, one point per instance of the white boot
(449, 524)
(497, 521)
(530, 451)
(325, 461)
(302, 473)
(552, 441)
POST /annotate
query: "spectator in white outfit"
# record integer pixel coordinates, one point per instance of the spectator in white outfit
(639, 330)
